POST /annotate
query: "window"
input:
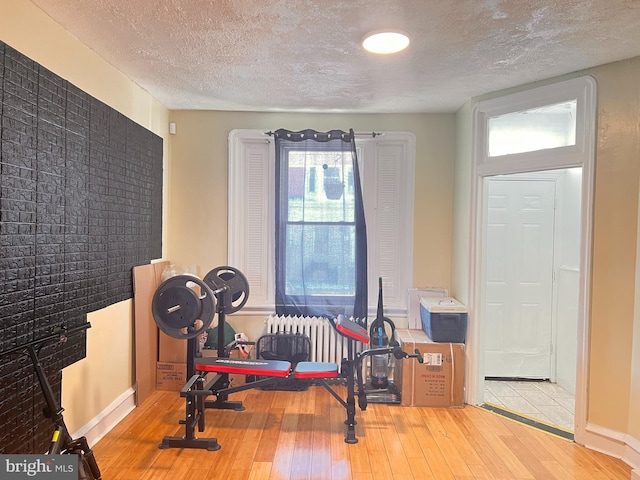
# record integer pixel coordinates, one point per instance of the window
(327, 215)
(321, 245)
(387, 164)
(533, 129)
(517, 131)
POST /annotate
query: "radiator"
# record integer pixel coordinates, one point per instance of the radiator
(326, 344)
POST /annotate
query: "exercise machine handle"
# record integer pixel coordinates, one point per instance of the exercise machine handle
(399, 354)
(59, 333)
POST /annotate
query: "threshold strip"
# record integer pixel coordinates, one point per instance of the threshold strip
(545, 427)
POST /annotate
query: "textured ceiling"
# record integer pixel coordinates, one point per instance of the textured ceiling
(305, 55)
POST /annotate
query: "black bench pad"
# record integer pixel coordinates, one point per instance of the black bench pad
(315, 370)
(244, 366)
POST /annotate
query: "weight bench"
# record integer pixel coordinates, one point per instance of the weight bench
(181, 314)
(267, 368)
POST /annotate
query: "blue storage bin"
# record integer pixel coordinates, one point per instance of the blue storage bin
(444, 319)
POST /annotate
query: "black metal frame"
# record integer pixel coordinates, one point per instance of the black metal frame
(61, 440)
(195, 391)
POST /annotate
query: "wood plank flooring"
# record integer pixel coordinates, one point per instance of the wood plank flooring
(300, 435)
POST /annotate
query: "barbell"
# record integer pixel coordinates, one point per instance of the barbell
(183, 306)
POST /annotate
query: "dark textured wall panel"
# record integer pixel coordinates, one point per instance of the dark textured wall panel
(98, 212)
(76, 202)
(155, 150)
(80, 206)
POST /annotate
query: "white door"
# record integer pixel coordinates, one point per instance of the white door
(518, 284)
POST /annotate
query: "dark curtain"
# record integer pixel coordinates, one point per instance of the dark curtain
(321, 243)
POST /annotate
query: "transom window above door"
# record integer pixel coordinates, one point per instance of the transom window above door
(539, 128)
(543, 128)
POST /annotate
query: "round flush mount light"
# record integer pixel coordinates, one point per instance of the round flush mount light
(385, 41)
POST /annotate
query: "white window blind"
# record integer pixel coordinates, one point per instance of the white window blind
(388, 194)
(250, 217)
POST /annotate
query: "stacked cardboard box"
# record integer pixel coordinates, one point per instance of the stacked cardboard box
(170, 376)
(439, 381)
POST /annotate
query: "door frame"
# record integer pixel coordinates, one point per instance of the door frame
(582, 154)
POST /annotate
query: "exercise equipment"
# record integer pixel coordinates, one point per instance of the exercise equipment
(291, 347)
(230, 286)
(61, 440)
(234, 283)
(179, 310)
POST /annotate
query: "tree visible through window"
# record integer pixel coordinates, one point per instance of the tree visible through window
(320, 231)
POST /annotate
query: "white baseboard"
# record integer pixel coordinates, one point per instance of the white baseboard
(615, 444)
(633, 456)
(102, 423)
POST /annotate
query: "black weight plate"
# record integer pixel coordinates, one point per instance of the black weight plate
(234, 284)
(179, 311)
(170, 299)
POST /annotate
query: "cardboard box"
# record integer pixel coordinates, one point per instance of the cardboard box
(439, 381)
(171, 376)
(171, 350)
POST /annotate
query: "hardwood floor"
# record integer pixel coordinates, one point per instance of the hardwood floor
(300, 435)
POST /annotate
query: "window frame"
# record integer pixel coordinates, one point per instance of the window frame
(386, 158)
(544, 159)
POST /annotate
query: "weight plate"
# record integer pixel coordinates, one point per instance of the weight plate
(183, 306)
(179, 306)
(234, 285)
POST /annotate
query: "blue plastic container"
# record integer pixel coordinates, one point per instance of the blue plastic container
(444, 319)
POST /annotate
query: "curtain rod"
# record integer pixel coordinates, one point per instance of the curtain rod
(373, 134)
(357, 134)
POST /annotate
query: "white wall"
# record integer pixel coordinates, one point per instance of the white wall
(567, 284)
(462, 208)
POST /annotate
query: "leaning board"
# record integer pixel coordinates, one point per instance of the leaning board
(145, 280)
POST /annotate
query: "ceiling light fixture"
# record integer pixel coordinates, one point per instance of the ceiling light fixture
(385, 41)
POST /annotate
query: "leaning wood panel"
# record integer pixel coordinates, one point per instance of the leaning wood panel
(145, 281)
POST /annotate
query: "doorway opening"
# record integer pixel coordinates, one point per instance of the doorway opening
(531, 224)
(530, 285)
